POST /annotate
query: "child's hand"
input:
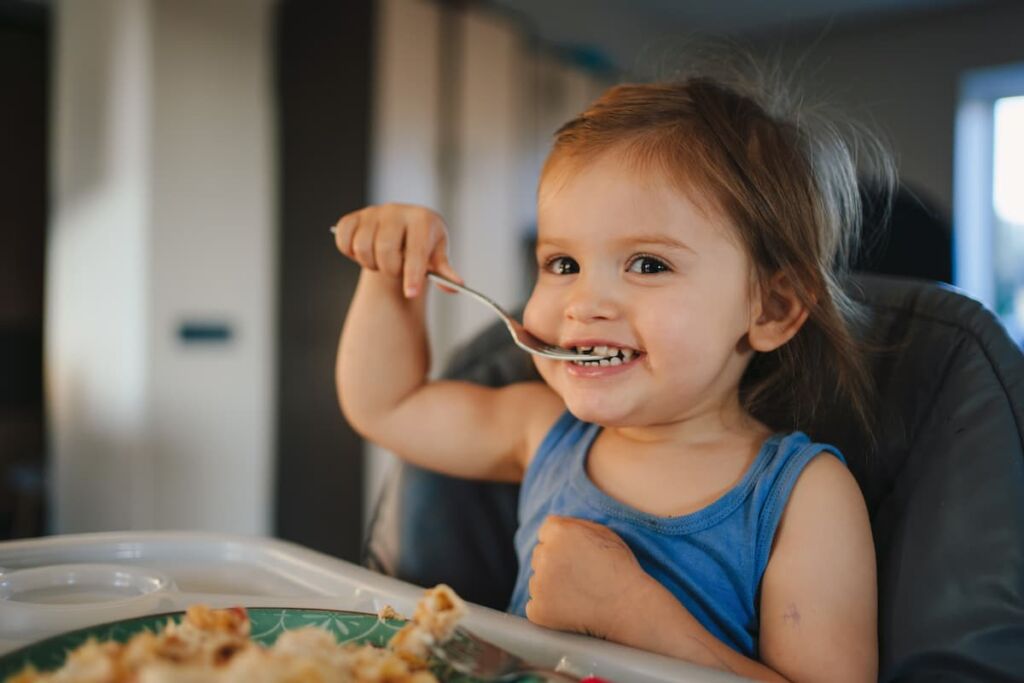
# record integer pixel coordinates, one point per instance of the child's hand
(400, 240)
(584, 577)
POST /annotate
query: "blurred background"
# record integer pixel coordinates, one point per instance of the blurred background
(170, 298)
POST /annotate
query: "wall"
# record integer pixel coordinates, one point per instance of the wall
(904, 76)
(96, 288)
(163, 206)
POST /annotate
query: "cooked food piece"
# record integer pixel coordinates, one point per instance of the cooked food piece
(434, 620)
(213, 646)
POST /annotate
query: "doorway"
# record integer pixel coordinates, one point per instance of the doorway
(24, 114)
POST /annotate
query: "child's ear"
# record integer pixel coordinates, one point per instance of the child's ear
(778, 314)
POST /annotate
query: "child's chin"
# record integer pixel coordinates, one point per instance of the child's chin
(605, 415)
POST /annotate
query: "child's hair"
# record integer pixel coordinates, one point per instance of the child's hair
(789, 186)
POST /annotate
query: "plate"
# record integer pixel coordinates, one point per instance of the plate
(266, 624)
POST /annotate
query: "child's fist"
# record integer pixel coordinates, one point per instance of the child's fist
(400, 240)
(583, 577)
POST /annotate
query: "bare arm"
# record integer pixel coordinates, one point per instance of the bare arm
(383, 358)
(818, 598)
(586, 579)
(818, 595)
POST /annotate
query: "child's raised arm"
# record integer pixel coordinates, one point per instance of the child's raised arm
(383, 358)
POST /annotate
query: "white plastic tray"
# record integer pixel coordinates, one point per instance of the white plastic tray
(155, 572)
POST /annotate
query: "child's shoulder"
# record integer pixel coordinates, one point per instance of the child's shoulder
(825, 481)
(799, 477)
(797, 450)
(825, 495)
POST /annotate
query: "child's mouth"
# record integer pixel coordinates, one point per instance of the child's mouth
(615, 355)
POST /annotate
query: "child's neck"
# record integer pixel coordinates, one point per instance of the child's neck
(677, 468)
(727, 422)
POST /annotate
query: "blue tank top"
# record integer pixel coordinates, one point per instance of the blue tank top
(712, 560)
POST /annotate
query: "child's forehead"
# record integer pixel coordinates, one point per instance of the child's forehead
(613, 187)
(616, 176)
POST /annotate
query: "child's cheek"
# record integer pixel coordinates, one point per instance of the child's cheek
(536, 321)
(545, 367)
(541, 317)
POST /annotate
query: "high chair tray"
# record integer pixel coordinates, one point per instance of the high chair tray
(57, 584)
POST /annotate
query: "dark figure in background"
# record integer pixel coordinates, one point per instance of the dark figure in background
(913, 240)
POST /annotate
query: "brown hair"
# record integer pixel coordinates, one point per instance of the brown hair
(789, 186)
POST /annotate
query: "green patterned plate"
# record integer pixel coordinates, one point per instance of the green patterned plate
(266, 625)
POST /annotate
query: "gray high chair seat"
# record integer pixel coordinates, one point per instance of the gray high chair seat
(944, 484)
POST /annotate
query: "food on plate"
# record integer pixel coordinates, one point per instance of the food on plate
(214, 645)
(434, 620)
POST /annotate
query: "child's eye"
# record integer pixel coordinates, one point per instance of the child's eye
(647, 265)
(562, 265)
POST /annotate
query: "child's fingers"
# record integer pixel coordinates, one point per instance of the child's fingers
(344, 230)
(387, 247)
(362, 242)
(439, 252)
(417, 253)
(440, 264)
(400, 241)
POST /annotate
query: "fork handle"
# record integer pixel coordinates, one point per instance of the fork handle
(482, 298)
(545, 675)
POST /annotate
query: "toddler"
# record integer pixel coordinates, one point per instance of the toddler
(690, 235)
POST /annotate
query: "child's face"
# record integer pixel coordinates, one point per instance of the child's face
(628, 261)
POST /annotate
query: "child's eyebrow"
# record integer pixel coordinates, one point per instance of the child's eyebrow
(553, 242)
(659, 239)
(656, 239)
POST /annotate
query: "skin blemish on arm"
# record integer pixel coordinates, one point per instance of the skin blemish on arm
(792, 615)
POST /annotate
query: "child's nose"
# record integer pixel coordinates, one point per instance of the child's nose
(589, 300)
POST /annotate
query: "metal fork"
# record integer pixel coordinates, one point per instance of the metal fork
(472, 655)
(523, 339)
(520, 335)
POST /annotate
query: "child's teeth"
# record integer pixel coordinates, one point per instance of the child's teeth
(611, 355)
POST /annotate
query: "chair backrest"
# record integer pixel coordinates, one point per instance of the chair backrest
(944, 483)
(946, 489)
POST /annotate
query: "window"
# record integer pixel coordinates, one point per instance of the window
(989, 192)
(1008, 202)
